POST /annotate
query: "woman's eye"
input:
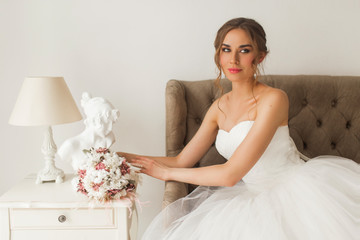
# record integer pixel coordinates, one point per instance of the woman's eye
(226, 49)
(244, 50)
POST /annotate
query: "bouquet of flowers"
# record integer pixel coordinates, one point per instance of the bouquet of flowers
(106, 176)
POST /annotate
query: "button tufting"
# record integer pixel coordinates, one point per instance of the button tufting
(333, 145)
(304, 102)
(304, 145)
(348, 124)
(333, 103)
(318, 123)
(198, 120)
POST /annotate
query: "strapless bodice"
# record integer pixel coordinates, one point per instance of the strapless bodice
(280, 154)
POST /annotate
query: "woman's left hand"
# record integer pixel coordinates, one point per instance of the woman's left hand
(151, 167)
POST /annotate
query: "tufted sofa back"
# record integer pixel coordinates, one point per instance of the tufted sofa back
(324, 114)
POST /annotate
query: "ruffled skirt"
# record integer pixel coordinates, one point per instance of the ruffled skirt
(319, 199)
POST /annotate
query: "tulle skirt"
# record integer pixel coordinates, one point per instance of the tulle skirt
(319, 199)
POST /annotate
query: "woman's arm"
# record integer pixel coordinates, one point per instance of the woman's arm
(272, 112)
(194, 150)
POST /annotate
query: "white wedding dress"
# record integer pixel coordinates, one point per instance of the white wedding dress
(281, 197)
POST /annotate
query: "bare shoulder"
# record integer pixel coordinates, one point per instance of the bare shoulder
(215, 109)
(274, 105)
(274, 96)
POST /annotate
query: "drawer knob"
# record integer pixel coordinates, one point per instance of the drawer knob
(62, 218)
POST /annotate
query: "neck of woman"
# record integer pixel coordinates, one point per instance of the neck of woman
(243, 90)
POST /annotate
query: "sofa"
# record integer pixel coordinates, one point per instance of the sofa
(324, 117)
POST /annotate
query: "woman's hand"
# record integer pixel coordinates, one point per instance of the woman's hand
(128, 156)
(151, 167)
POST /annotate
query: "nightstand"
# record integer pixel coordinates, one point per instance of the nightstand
(55, 211)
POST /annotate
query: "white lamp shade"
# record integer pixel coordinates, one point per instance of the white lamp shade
(44, 101)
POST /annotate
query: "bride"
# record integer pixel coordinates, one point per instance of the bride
(264, 190)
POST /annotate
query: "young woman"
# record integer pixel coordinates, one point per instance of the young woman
(280, 196)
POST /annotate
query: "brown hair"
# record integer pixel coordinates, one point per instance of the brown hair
(254, 31)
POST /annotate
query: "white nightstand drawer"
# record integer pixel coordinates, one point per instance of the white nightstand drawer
(32, 211)
(62, 218)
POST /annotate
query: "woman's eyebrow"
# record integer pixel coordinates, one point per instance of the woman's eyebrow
(241, 46)
(245, 45)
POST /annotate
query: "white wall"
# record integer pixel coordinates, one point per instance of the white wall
(126, 51)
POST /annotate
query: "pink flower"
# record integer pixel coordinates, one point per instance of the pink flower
(100, 166)
(113, 192)
(124, 168)
(81, 188)
(102, 150)
(96, 186)
(82, 173)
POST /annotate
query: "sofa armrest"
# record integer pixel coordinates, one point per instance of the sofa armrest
(174, 191)
(176, 113)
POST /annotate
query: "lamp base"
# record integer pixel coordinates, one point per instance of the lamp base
(47, 175)
(50, 172)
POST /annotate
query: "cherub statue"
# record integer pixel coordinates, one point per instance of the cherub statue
(100, 117)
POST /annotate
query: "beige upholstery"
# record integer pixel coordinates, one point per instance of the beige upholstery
(324, 117)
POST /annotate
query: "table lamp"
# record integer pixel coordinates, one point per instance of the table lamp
(45, 101)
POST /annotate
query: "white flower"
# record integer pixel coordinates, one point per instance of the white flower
(101, 179)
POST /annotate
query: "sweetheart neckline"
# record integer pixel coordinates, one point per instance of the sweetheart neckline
(239, 123)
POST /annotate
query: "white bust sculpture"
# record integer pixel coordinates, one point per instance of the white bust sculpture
(100, 117)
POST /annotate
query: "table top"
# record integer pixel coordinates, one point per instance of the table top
(28, 194)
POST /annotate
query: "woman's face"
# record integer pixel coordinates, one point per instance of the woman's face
(237, 55)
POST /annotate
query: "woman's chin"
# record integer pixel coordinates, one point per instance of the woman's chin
(240, 78)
